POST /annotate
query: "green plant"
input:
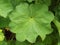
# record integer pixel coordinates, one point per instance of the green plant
(29, 22)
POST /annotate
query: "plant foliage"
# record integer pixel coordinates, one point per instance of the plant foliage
(29, 22)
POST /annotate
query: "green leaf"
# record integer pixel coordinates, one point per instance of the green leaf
(29, 0)
(59, 41)
(3, 43)
(1, 37)
(57, 23)
(16, 2)
(57, 17)
(30, 21)
(22, 43)
(5, 7)
(11, 42)
(46, 2)
(4, 22)
(57, 12)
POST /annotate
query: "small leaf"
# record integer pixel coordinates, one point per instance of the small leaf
(1, 36)
(0, 30)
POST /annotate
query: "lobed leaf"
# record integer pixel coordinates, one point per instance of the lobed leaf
(30, 21)
(5, 7)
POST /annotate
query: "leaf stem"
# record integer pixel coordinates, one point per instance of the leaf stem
(57, 23)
